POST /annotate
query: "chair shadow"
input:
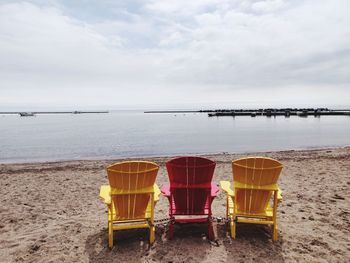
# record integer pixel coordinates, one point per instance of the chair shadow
(128, 242)
(252, 243)
(189, 245)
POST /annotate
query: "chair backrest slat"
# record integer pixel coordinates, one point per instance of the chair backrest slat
(190, 183)
(131, 176)
(255, 171)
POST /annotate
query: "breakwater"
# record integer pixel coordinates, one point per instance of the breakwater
(269, 112)
(33, 113)
(287, 112)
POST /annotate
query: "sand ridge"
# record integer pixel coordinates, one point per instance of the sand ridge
(50, 212)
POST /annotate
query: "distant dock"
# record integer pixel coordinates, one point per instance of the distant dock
(33, 113)
(287, 112)
(269, 112)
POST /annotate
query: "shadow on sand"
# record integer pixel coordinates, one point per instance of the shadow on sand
(129, 246)
(253, 243)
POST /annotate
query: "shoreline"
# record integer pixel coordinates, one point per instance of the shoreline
(116, 158)
(51, 212)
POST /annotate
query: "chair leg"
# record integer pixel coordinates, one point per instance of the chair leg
(151, 234)
(171, 230)
(233, 228)
(275, 230)
(210, 230)
(275, 233)
(110, 234)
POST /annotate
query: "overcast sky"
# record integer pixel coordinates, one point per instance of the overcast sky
(177, 52)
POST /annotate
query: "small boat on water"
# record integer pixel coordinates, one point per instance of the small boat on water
(26, 114)
(304, 113)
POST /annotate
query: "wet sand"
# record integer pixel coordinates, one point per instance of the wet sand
(51, 212)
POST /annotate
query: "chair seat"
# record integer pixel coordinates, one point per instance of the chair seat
(178, 211)
(146, 216)
(268, 213)
(105, 191)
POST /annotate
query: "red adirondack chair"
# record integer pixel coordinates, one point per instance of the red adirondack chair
(190, 192)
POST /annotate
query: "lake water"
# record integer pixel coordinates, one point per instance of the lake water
(133, 133)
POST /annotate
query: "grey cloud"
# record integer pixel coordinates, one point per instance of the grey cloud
(209, 50)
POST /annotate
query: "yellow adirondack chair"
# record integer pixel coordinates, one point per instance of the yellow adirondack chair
(131, 196)
(256, 193)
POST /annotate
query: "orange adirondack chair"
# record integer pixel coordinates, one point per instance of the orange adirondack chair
(255, 184)
(131, 196)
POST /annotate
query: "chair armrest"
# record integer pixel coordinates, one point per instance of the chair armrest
(105, 194)
(166, 190)
(225, 186)
(156, 193)
(279, 195)
(214, 190)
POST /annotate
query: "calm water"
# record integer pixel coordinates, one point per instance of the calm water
(132, 134)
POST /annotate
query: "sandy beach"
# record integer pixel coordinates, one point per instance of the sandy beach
(51, 212)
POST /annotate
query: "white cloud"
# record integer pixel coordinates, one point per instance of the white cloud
(268, 6)
(174, 51)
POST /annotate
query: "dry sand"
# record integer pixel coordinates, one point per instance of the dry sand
(50, 212)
